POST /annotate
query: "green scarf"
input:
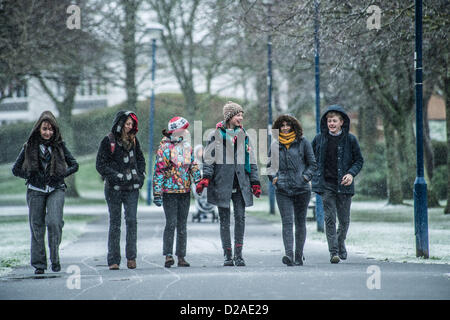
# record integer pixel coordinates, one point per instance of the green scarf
(231, 135)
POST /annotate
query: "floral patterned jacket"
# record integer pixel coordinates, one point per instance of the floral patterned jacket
(174, 165)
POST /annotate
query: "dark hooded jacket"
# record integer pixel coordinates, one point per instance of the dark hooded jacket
(121, 169)
(349, 157)
(29, 164)
(296, 165)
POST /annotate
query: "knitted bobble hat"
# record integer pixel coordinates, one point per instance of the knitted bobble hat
(230, 109)
(177, 123)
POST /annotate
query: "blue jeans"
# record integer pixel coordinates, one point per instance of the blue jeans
(115, 199)
(45, 211)
(293, 211)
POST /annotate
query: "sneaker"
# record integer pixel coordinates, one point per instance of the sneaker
(39, 271)
(56, 267)
(114, 266)
(334, 259)
(131, 264)
(287, 261)
(239, 261)
(182, 262)
(169, 261)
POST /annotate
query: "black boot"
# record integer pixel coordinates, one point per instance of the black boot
(299, 257)
(238, 260)
(228, 260)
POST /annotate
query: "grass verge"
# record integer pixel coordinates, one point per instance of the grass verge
(384, 232)
(15, 238)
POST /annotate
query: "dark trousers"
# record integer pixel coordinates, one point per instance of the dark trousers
(293, 211)
(176, 209)
(45, 212)
(336, 204)
(239, 222)
(115, 199)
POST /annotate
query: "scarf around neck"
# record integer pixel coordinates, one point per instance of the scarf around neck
(287, 138)
(231, 135)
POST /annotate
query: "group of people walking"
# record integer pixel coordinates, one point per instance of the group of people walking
(227, 173)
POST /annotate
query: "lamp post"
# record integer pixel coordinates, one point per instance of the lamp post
(270, 187)
(319, 204)
(154, 32)
(420, 185)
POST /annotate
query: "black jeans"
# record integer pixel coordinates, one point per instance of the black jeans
(239, 221)
(115, 199)
(45, 211)
(293, 210)
(176, 209)
(336, 204)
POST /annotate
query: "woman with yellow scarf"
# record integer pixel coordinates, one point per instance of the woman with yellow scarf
(296, 168)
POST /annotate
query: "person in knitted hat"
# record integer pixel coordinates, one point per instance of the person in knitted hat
(174, 167)
(230, 173)
(44, 162)
(121, 164)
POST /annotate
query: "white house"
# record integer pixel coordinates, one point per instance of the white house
(26, 101)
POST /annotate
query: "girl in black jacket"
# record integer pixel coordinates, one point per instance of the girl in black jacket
(121, 163)
(44, 162)
(296, 167)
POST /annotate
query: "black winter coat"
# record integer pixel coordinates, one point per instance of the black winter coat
(296, 167)
(121, 169)
(350, 159)
(39, 178)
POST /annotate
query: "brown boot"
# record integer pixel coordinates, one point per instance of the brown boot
(182, 262)
(131, 264)
(114, 266)
(169, 261)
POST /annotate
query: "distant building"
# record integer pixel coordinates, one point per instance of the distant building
(25, 101)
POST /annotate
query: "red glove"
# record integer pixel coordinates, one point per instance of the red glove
(201, 185)
(256, 189)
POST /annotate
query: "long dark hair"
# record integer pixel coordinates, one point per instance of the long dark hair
(31, 148)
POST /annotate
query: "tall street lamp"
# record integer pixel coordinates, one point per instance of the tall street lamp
(270, 187)
(319, 204)
(154, 33)
(420, 185)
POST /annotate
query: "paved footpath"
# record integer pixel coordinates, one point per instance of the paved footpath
(86, 276)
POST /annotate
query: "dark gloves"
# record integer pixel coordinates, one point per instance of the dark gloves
(201, 185)
(256, 189)
(157, 200)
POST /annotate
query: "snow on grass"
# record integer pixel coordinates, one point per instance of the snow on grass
(15, 239)
(385, 232)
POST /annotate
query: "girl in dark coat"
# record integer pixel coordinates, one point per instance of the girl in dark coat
(121, 163)
(296, 167)
(44, 162)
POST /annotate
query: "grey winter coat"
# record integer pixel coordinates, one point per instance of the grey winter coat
(350, 159)
(221, 172)
(296, 167)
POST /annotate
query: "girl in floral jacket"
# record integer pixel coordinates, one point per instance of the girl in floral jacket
(174, 167)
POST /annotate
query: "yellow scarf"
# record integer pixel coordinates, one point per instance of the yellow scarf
(287, 138)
